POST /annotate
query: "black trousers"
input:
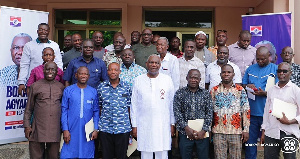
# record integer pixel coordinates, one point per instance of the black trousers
(287, 143)
(114, 145)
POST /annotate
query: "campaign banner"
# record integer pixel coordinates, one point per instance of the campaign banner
(271, 30)
(17, 27)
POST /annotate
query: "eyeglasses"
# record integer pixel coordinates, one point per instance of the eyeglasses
(284, 71)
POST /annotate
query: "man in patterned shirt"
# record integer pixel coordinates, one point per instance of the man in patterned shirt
(129, 69)
(115, 55)
(114, 124)
(287, 55)
(231, 115)
(190, 103)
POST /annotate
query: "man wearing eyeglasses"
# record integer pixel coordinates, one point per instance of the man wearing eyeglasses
(287, 55)
(256, 77)
(281, 133)
(67, 43)
(144, 49)
(9, 74)
(32, 55)
(221, 40)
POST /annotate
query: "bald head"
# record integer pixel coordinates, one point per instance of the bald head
(262, 56)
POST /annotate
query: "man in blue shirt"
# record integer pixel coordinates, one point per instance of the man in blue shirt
(97, 68)
(114, 124)
(256, 77)
(79, 106)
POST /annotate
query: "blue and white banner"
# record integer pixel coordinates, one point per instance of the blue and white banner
(17, 27)
(271, 30)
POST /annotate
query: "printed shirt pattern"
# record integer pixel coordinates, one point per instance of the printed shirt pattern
(190, 106)
(295, 77)
(231, 110)
(128, 75)
(114, 102)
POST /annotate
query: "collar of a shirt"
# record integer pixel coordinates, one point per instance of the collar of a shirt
(187, 89)
(131, 66)
(287, 85)
(81, 58)
(109, 84)
(237, 46)
(38, 41)
(167, 57)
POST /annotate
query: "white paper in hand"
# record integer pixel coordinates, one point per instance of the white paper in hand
(270, 82)
(280, 106)
(250, 95)
(132, 147)
(197, 125)
(89, 128)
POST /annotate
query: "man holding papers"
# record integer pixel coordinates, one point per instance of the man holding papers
(114, 124)
(256, 77)
(279, 133)
(231, 116)
(192, 104)
(79, 106)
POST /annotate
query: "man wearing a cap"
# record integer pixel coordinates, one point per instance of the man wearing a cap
(202, 52)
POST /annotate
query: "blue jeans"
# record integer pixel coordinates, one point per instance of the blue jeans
(254, 131)
(186, 147)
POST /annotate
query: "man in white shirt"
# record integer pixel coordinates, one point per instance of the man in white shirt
(189, 61)
(283, 133)
(169, 62)
(151, 112)
(213, 70)
(32, 55)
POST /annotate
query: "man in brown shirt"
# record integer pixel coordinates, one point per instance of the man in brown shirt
(44, 100)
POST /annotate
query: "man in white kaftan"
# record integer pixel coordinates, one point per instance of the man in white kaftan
(152, 116)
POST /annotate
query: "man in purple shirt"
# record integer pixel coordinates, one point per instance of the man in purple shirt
(37, 73)
(242, 53)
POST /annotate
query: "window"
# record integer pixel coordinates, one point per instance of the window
(85, 22)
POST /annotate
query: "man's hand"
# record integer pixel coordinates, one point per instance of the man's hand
(134, 132)
(262, 138)
(252, 86)
(27, 131)
(94, 135)
(66, 136)
(260, 92)
(190, 132)
(200, 135)
(284, 119)
(245, 137)
(173, 131)
(21, 89)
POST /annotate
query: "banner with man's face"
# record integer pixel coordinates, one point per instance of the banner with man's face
(17, 27)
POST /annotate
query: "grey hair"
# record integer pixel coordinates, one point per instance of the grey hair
(153, 55)
(164, 38)
(285, 63)
(21, 35)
